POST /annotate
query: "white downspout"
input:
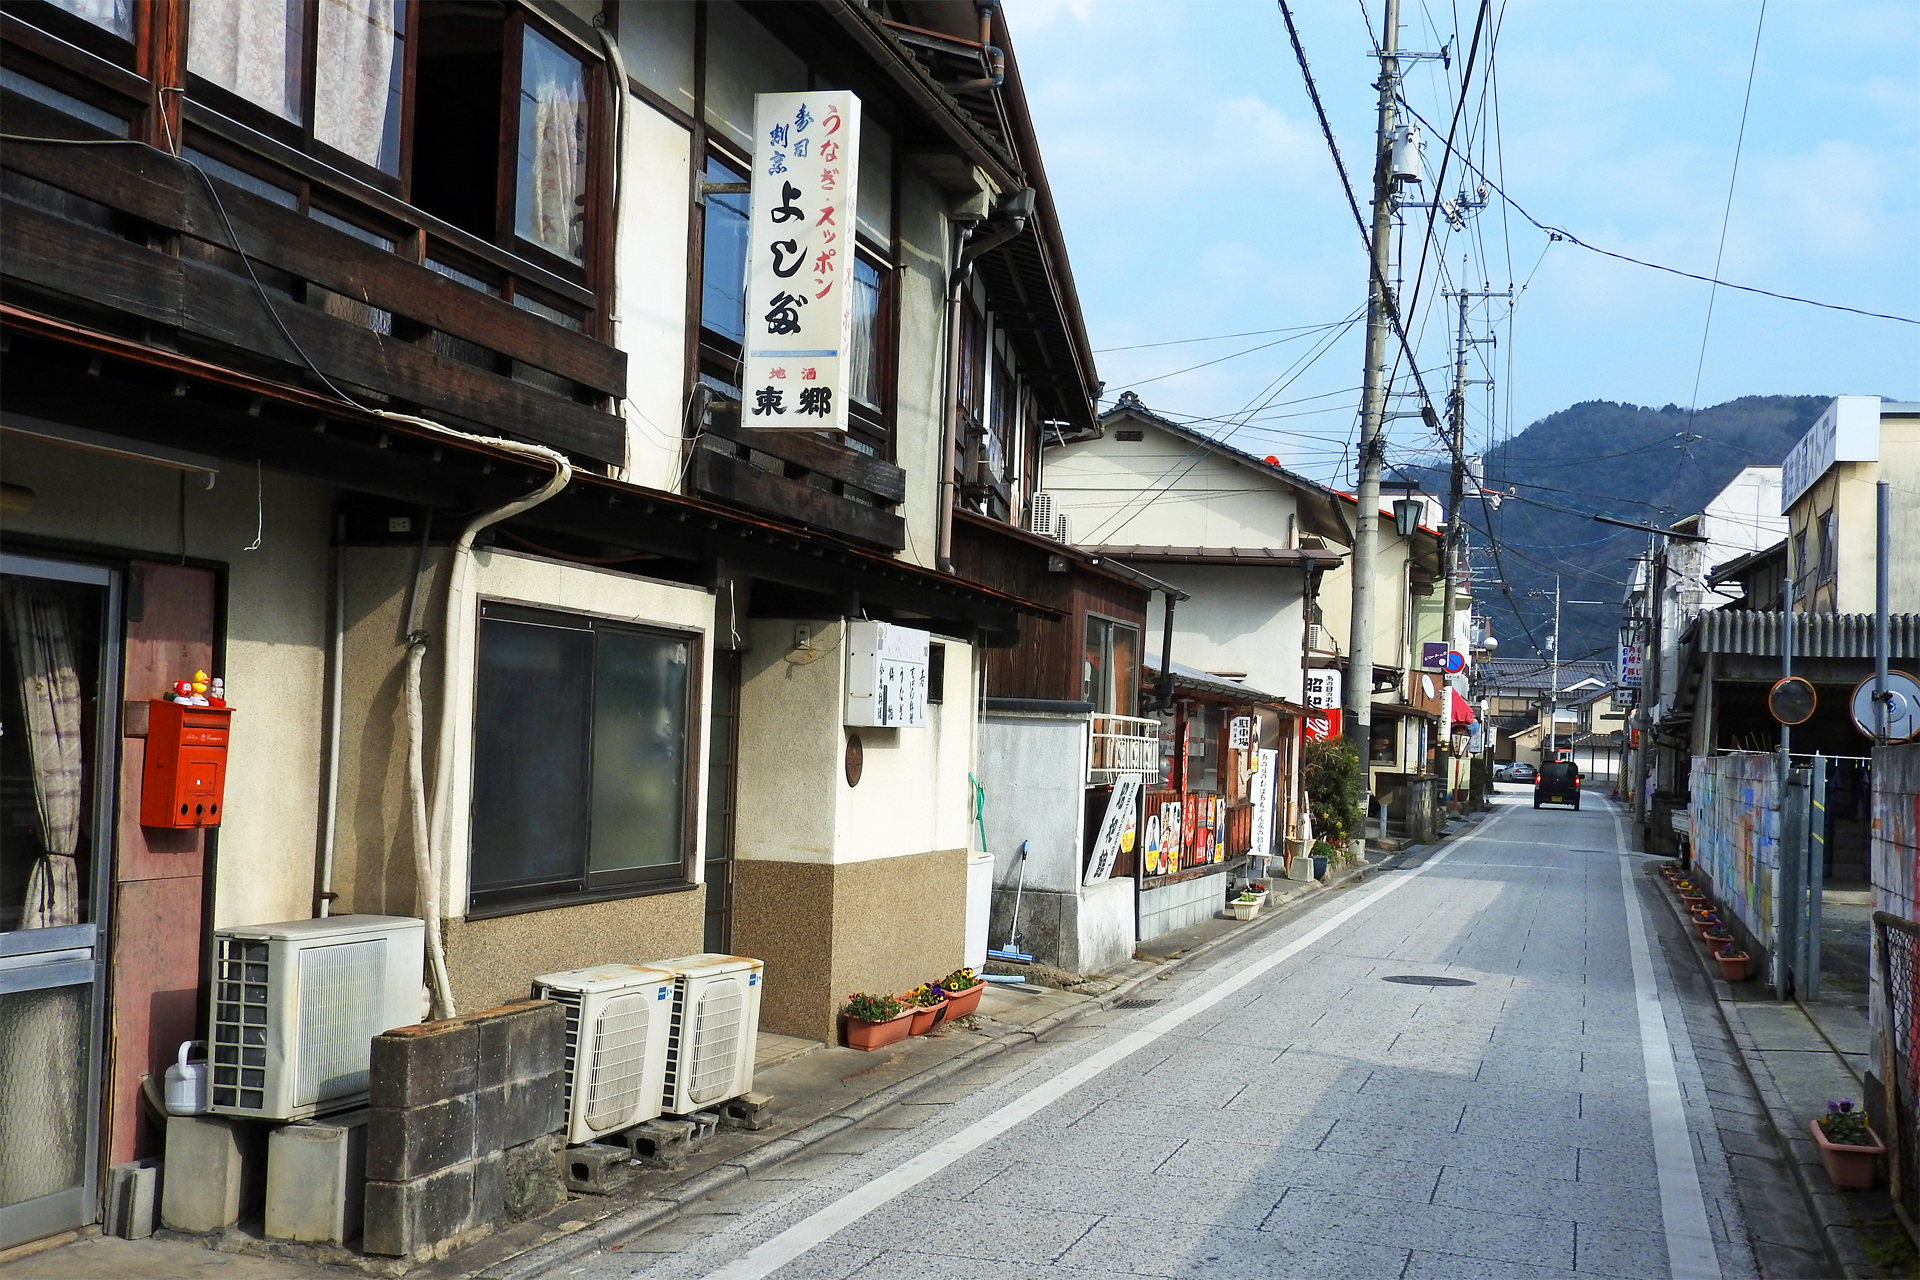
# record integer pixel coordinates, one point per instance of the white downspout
(429, 830)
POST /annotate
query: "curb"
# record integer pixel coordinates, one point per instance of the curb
(666, 1206)
(1833, 1219)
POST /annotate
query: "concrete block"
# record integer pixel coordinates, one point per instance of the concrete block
(596, 1169)
(316, 1179)
(661, 1143)
(530, 1177)
(419, 1065)
(520, 1042)
(410, 1142)
(132, 1199)
(205, 1170)
(705, 1125)
(407, 1219)
(752, 1112)
(510, 1114)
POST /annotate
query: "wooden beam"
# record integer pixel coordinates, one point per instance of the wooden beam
(735, 481)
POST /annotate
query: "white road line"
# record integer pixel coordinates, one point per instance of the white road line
(825, 1223)
(1683, 1209)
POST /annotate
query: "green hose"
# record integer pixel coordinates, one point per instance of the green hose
(979, 810)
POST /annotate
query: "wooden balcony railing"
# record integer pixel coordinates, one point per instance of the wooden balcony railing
(804, 477)
(134, 230)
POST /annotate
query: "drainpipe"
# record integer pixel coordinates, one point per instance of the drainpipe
(995, 57)
(429, 828)
(1166, 651)
(336, 669)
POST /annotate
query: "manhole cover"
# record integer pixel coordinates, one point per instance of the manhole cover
(1428, 980)
(1135, 1004)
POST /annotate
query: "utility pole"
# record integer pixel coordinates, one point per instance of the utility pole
(1453, 550)
(1358, 693)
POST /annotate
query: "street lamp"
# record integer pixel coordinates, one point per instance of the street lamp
(1406, 515)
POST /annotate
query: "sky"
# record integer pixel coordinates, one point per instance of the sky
(1198, 199)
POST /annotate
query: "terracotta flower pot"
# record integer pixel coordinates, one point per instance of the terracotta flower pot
(1708, 926)
(1716, 939)
(1848, 1166)
(1734, 967)
(962, 1003)
(1693, 899)
(924, 1019)
(869, 1036)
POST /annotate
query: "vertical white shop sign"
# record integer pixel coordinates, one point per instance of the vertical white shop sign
(1116, 831)
(806, 164)
(1260, 790)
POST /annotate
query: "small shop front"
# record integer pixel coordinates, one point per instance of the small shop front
(1228, 757)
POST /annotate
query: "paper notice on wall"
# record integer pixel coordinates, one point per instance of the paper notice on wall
(800, 260)
(1117, 829)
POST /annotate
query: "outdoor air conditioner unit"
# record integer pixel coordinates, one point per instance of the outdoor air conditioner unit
(296, 1007)
(1040, 516)
(618, 1018)
(716, 1021)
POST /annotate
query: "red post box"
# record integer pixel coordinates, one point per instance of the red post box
(186, 770)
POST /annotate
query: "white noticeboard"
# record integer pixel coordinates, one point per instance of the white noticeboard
(1117, 829)
(1323, 689)
(886, 675)
(1260, 790)
(800, 260)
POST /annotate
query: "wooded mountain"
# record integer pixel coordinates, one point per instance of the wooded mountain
(1632, 462)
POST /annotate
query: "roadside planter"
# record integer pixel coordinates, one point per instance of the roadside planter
(1733, 964)
(962, 988)
(1848, 1145)
(927, 1005)
(1245, 907)
(874, 1022)
(1716, 939)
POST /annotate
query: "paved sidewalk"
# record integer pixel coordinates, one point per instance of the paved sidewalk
(1799, 1058)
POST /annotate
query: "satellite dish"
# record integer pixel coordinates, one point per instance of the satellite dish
(1903, 708)
(1792, 700)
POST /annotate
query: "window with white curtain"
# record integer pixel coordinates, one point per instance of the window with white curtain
(359, 76)
(254, 49)
(551, 208)
(110, 15)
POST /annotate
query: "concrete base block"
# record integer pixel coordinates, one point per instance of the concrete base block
(205, 1172)
(531, 1182)
(316, 1179)
(132, 1200)
(753, 1112)
(705, 1125)
(661, 1143)
(596, 1169)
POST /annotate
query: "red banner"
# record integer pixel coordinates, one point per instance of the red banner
(1323, 726)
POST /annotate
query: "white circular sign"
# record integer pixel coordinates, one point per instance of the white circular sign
(1903, 707)
(1426, 683)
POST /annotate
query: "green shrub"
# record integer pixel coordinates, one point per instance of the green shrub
(1334, 779)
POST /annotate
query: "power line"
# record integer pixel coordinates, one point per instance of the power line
(1221, 337)
(1571, 238)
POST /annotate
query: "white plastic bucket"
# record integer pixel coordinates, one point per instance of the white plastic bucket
(979, 908)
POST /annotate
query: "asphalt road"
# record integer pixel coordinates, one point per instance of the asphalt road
(1477, 1066)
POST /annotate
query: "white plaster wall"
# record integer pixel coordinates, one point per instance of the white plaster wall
(1391, 601)
(651, 269)
(504, 575)
(277, 602)
(1197, 498)
(1249, 620)
(795, 804)
(1034, 770)
(920, 379)
(1106, 927)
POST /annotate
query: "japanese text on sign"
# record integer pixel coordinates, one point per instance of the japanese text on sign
(800, 260)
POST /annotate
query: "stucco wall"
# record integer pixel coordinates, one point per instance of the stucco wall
(275, 638)
(492, 959)
(1239, 619)
(1033, 768)
(921, 369)
(1199, 499)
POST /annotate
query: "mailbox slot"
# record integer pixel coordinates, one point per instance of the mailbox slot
(185, 777)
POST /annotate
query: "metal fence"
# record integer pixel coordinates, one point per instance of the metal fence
(1897, 944)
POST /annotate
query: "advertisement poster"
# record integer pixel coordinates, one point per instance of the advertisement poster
(1150, 857)
(1189, 824)
(1117, 829)
(1219, 828)
(1260, 789)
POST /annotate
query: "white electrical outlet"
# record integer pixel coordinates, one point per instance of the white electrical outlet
(399, 524)
(803, 638)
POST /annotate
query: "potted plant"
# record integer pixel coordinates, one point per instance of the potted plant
(1848, 1145)
(1258, 890)
(1324, 856)
(1245, 907)
(927, 1005)
(1693, 898)
(1716, 939)
(962, 989)
(1733, 964)
(1707, 922)
(874, 1022)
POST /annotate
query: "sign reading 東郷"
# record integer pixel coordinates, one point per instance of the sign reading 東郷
(800, 260)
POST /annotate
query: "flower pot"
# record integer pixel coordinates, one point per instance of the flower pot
(1693, 899)
(1319, 867)
(1244, 910)
(925, 1019)
(1734, 967)
(1708, 926)
(1716, 939)
(962, 1003)
(1848, 1166)
(869, 1036)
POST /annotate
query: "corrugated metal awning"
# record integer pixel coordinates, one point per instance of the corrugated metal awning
(1815, 635)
